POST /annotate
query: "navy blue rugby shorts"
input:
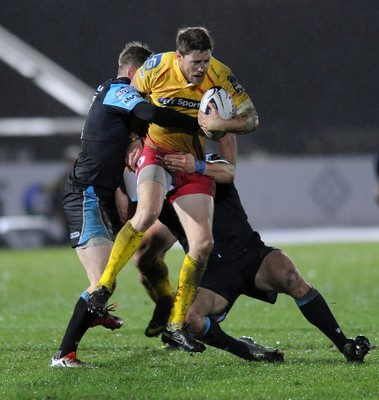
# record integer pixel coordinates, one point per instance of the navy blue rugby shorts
(90, 215)
(234, 275)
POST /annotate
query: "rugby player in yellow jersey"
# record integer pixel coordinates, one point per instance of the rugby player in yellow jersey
(178, 80)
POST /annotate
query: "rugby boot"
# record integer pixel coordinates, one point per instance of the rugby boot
(262, 353)
(184, 340)
(356, 349)
(69, 361)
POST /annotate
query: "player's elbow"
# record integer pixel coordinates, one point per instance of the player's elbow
(256, 123)
(252, 123)
(230, 175)
(248, 117)
(227, 176)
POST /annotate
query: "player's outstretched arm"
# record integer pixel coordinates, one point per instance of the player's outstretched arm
(166, 117)
(220, 170)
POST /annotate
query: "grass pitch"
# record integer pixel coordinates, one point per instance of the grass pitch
(38, 289)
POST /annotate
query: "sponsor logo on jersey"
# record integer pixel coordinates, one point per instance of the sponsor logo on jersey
(237, 86)
(130, 99)
(124, 90)
(179, 102)
(127, 94)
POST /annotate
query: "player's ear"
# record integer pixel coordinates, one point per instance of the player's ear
(131, 71)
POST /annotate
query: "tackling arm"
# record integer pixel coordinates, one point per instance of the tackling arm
(218, 169)
(228, 148)
(165, 117)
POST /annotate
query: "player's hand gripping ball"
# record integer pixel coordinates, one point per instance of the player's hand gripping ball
(223, 103)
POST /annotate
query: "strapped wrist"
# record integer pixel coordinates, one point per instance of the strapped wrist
(200, 167)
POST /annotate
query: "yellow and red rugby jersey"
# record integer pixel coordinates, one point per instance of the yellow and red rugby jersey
(162, 79)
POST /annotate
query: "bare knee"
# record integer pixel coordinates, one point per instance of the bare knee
(208, 246)
(295, 285)
(205, 247)
(144, 218)
(200, 250)
(195, 321)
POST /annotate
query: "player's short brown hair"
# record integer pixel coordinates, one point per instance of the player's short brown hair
(193, 38)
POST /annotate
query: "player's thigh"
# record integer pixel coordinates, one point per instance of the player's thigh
(278, 273)
(150, 201)
(195, 213)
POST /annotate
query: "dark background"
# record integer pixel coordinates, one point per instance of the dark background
(310, 67)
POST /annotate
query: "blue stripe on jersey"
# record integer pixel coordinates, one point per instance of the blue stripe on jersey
(93, 225)
(123, 96)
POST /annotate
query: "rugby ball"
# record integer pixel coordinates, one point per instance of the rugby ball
(223, 103)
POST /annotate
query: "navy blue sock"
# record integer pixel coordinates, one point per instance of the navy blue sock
(79, 323)
(214, 336)
(317, 312)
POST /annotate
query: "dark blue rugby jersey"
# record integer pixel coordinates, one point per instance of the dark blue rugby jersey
(105, 136)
